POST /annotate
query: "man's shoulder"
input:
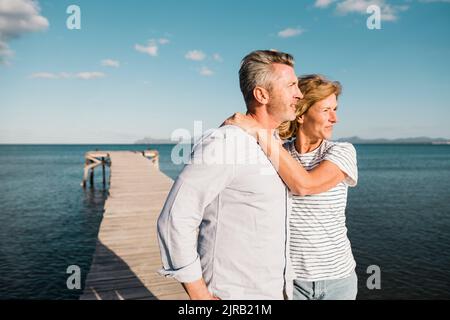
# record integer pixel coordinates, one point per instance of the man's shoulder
(228, 144)
(225, 134)
(229, 129)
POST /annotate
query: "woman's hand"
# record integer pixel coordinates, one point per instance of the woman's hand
(250, 125)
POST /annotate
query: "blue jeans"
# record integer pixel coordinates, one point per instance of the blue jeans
(339, 289)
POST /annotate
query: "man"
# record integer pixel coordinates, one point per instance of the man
(223, 230)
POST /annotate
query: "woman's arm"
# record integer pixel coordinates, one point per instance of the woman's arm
(322, 178)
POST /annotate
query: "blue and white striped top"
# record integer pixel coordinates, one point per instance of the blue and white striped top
(320, 249)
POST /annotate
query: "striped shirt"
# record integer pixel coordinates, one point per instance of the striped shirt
(320, 249)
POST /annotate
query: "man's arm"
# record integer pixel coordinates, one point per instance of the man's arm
(299, 181)
(195, 188)
(197, 290)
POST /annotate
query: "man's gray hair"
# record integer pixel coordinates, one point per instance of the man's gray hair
(256, 70)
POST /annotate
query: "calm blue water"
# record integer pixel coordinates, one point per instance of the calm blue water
(398, 218)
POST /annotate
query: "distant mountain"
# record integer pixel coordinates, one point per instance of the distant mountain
(149, 140)
(354, 140)
(415, 140)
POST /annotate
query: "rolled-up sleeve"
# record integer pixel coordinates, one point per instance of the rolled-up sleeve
(196, 187)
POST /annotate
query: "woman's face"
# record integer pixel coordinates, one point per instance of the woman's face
(318, 121)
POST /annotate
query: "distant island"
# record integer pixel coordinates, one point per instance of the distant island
(149, 140)
(354, 140)
(415, 140)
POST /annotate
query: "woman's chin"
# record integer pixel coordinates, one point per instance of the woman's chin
(328, 136)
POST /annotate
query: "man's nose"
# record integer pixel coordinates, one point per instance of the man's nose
(299, 94)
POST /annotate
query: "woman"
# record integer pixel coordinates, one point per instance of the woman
(318, 173)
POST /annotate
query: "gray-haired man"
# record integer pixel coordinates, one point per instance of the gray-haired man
(223, 231)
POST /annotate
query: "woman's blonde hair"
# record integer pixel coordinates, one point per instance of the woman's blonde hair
(314, 88)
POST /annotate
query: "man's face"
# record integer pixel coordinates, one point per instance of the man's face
(284, 94)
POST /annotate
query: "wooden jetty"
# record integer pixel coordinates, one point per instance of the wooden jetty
(127, 257)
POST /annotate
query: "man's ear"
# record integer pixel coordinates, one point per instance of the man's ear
(261, 95)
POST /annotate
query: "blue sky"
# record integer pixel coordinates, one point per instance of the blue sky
(146, 68)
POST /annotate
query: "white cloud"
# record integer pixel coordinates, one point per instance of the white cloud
(5, 52)
(66, 75)
(20, 16)
(323, 3)
(205, 71)
(44, 75)
(217, 57)
(195, 55)
(110, 63)
(89, 75)
(163, 41)
(290, 32)
(17, 18)
(151, 49)
(388, 12)
(349, 6)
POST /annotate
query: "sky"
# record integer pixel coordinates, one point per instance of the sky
(140, 69)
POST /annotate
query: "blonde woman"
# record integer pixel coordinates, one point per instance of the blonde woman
(318, 173)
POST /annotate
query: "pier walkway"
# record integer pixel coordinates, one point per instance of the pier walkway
(127, 255)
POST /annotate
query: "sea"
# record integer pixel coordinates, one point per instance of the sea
(398, 219)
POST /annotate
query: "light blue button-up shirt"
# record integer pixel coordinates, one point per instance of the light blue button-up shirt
(226, 220)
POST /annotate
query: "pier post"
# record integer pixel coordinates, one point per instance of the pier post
(92, 177)
(103, 170)
(94, 159)
(86, 164)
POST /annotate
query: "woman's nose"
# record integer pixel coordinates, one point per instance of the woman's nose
(333, 117)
